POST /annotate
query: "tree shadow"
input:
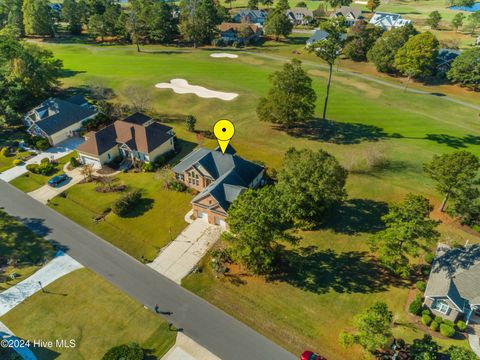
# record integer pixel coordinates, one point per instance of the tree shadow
(66, 73)
(88, 91)
(455, 142)
(337, 132)
(183, 147)
(357, 216)
(326, 270)
(143, 205)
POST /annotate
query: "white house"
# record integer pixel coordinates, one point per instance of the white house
(388, 21)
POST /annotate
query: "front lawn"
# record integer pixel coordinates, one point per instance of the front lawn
(21, 251)
(158, 220)
(333, 278)
(29, 182)
(84, 307)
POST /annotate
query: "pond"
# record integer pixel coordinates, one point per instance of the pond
(472, 8)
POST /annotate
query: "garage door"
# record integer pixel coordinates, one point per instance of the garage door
(202, 215)
(220, 222)
(89, 161)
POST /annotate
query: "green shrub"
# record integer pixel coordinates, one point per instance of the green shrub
(132, 351)
(74, 162)
(426, 312)
(426, 320)
(41, 143)
(44, 168)
(421, 285)
(148, 167)
(17, 162)
(429, 258)
(461, 326)
(190, 122)
(434, 325)
(460, 353)
(177, 186)
(4, 151)
(415, 306)
(447, 330)
(439, 319)
(126, 203)
(448, 322)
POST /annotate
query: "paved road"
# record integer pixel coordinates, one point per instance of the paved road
(221, 334)
(319, 65)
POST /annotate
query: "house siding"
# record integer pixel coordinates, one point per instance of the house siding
(103, 158)
(452, 314)
(162, 149)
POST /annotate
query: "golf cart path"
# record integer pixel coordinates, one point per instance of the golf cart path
(61, 265)
(369, 78)
(53, 153)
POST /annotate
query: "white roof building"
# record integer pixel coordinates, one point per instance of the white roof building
(388, 21)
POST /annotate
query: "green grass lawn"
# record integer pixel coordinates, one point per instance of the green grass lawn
(7, 138)
(142, 235)
(30, 181)
(86, 308)
(21, 244)
(364, 118)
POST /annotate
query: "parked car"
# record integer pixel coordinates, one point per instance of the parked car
(310, 355)
(57, 180)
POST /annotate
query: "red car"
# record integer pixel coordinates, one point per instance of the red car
(309, 355)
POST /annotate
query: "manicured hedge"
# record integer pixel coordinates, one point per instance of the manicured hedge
(415, 306)
(434, 326)
(421, 285)
(131, 351)
(447, 330)
(461, 326)
(426, 320)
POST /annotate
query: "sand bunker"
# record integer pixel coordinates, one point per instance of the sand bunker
(181, 86)
(224, 55)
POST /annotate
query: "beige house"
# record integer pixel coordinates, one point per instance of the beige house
(219, 178)
(57, 120)
(137, 138)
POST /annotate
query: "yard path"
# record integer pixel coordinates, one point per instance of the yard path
(46, 192)
(179, 257)
(53, 153)
(212, 328)
(369, 78)
(61, 265)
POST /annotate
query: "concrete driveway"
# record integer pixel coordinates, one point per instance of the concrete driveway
(180, 256)
(47, 192)
(53, 153)
(187, 349)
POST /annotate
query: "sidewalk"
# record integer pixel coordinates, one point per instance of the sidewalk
(61, 265)
(55, 153)
(178, 258)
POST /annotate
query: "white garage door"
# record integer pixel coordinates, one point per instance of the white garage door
(202, 215)
(89, 161)
(220, 222)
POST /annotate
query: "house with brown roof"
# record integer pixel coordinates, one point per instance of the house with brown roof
(138, 138)
(242, 33)
(219, 178)
(299, 15)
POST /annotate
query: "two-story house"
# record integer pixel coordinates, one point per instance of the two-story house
(138, 138)
(240, 32)
(251, 16)
(219, 178)
(57, 120)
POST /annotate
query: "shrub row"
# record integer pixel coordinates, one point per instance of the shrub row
(44, 168)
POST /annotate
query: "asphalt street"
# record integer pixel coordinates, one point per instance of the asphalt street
(217, 331)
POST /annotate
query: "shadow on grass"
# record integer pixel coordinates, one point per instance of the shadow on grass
(183, 147)
(326, 270)
(88, 91)
(455, 142)
(337, 132)
(357, 216)
(144, 205)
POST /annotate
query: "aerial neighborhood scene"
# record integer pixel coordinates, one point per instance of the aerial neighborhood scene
(239, 179)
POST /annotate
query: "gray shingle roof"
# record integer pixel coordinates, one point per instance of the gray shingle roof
(456, 273)
(231, 173)
(57, 114)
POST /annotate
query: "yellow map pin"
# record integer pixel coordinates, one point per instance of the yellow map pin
(224, 131)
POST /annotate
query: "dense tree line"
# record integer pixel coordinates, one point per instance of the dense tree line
(28, 73)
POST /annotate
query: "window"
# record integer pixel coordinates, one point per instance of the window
(108, 156)
(441, 306)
